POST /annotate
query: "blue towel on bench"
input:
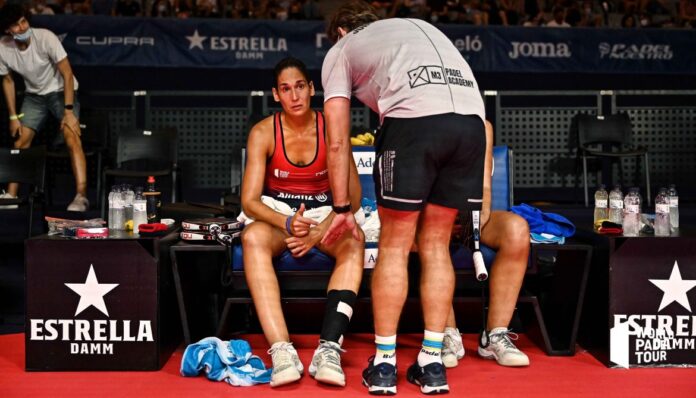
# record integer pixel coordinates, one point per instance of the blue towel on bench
(230, 361)
(544, 223)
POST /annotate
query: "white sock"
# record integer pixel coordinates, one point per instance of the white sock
(432, 348)
(386, 350)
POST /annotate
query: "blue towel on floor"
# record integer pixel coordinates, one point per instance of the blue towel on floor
(230, 361)
(544, 223)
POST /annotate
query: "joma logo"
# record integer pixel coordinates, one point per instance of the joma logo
(539, 50)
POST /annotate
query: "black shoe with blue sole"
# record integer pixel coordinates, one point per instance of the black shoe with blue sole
(431, 378)
(380, 379)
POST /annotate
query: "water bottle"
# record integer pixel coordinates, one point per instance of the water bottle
(118, 219)
(662, 213)
(139, 209)
(631, 218)
(152, 197)
(616, 204)
(601, 198)
(673, 207)
(128, 196)
(111, 199)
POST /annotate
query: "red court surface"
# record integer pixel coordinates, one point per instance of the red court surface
(578, 376)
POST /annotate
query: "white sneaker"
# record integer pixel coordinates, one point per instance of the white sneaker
(502, 349)
(452, 348)
(80, 203)
(326, 364)
(286, 364)
(5, 195)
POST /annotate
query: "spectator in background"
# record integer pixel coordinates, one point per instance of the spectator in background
(207, 8)
(573, 14)
(629, 5)
(470, 13)
(102, 7)
(161, 8)
(280, 10)
(78, 7)
(512, 9)
(312, 10)
(532, 10)
(127, 8)
(57, 6)
(629, 21)
(592, 14)
(661, 12)
(296, 10)
(493, 14)
(439, 11)
(687, 13)
(382, 8)
(645, 20)
(241, 9)
(40, 8)
(183, 8)
(558, 21)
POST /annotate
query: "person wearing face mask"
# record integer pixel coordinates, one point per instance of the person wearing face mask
(38, 56)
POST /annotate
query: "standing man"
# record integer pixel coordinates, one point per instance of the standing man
(430, 160)
(38, 56)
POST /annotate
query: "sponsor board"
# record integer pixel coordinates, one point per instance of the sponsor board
(652, 323)
(364, 161)
(91, 305)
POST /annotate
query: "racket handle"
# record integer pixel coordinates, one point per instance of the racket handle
(480, 266)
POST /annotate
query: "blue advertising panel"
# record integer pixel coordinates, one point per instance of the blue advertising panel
(221, 43)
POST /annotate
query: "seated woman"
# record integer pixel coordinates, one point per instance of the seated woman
(286, 161)
(507, 233)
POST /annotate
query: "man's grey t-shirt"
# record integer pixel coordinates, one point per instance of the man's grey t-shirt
(401, 68)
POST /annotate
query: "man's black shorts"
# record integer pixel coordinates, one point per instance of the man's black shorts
(433, 159)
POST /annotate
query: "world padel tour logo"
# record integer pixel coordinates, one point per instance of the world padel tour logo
(94, 337)
(244, 47)
(655, 336)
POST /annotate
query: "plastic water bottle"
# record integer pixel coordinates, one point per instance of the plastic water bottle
(139, 209)
(152, 197)
(662, 213)
(616, 205)
(601, 201)
(111, 199)
(118, 218)
(128, 196)
(631, 218)
(673, 207)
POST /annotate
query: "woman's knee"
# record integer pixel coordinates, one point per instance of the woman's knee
(350, 247)
(255, 235)
(516, 232)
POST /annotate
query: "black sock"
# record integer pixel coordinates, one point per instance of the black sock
(339, 310)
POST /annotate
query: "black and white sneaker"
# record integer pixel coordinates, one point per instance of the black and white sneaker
(431, 378)
(379, 379)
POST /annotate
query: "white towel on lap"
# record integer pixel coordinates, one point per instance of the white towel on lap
(317, 214)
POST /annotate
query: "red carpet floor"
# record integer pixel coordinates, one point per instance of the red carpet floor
(578, 376)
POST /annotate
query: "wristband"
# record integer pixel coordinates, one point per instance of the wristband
(69, 107)
(341, 209)
(17, 117)
(288, 225)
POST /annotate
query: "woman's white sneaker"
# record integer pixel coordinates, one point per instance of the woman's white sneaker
(287, 367)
